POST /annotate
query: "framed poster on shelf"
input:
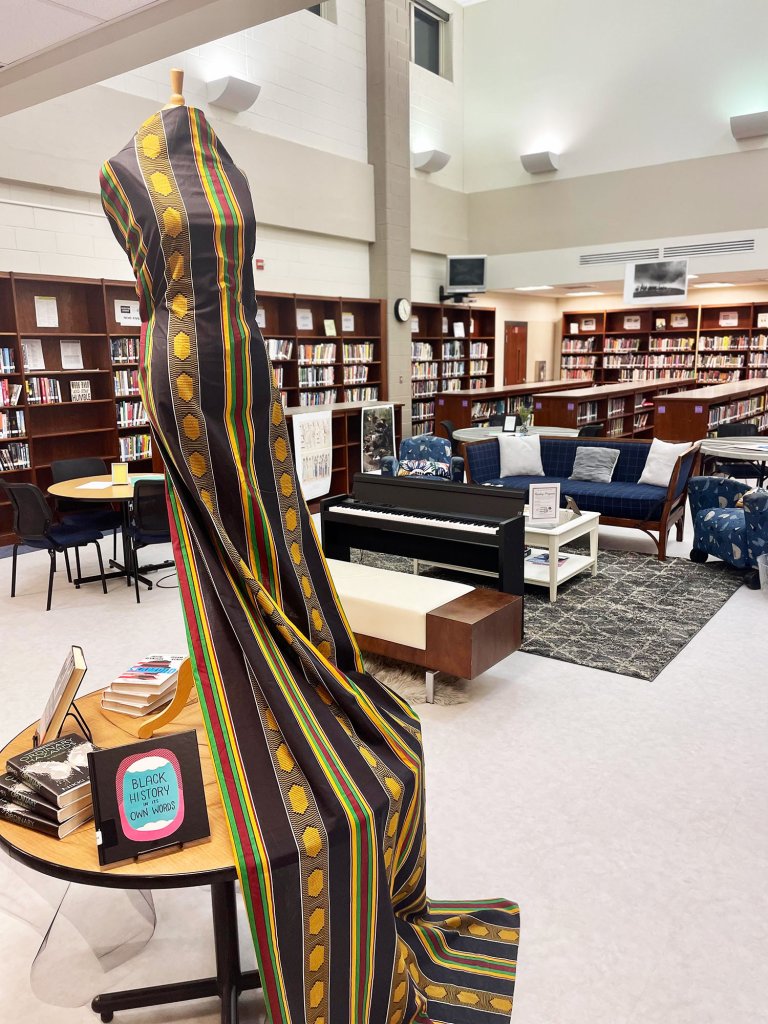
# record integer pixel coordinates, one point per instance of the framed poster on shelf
(377, 436)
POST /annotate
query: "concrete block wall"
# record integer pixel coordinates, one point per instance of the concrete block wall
(44, 231)
(311, 70)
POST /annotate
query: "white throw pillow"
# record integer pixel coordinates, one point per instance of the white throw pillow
(520, 455)
(661, 461)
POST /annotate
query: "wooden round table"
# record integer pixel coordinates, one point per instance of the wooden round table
(101, 489)
(75, 859)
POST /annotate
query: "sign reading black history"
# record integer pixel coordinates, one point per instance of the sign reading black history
(148, 796)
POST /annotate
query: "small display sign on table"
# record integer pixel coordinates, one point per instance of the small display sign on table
(544, 504)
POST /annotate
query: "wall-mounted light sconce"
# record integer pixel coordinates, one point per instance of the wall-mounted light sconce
(540, 163)
(750, 126)
(430, 160)
(232, 93)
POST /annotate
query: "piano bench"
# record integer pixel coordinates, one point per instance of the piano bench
(436, 624)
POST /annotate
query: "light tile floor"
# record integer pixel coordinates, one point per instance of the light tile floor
(629, 819)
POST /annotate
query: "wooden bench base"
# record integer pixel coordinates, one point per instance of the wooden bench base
(465, 637)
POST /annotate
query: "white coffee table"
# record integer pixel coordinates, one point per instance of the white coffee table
(548, 541)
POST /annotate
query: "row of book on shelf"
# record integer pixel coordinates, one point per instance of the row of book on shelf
(706, 343)
(451, 350)
(329, 396)
(49, 390)
(14, 455)
(131, 414)
(126, 383)
(12, 423)
(7, 360)
(135, 447)
(281, 349)
(124, 350)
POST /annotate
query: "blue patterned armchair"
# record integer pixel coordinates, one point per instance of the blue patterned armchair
(736, 535)
(425, 456)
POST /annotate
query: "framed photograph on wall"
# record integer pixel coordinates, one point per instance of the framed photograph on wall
(377, 436)
(646, 283)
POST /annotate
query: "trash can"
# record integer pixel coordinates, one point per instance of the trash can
(762, 568)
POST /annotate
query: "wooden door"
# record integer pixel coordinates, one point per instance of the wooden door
(515, 351)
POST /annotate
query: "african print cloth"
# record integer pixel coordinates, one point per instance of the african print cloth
(320, 766)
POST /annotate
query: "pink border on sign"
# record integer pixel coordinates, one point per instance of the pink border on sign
(128, 829)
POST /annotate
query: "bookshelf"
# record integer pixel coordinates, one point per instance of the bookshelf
(326, 351)
(112, 423)
(699, 412)
(624, 410)
(704, 344)
(474, 407)
(452, 350)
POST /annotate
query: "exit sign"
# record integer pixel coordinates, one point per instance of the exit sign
(259, 264)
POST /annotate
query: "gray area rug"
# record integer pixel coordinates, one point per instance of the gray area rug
(633, 618)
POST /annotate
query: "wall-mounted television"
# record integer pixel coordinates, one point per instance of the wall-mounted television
(465, 274)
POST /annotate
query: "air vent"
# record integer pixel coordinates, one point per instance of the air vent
(710, 248)
(630, 255)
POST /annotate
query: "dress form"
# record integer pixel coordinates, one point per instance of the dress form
(177, 84)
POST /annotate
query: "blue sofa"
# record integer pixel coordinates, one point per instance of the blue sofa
(622, 502)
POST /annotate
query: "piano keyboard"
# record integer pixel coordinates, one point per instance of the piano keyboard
(422, 519)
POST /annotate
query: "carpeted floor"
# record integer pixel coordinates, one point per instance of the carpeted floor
(633, 618)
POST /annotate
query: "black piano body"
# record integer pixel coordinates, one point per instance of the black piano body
(484, 526)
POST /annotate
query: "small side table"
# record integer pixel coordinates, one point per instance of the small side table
(75, 859)
(549, 540)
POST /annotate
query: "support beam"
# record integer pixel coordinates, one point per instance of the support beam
(388, 69)
(124, 44)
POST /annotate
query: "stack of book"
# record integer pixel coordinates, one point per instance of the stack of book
(144, 687)
(48, 788)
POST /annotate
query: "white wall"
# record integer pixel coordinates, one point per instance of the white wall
(608, 85)
(427, 274)
(437, 106)
(312, 74)
(541, 315)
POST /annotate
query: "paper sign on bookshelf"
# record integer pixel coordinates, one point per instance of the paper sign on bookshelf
(729, 318)
(330, 328)
(304, 321)
(80, 390)
(589, 324)
(678, 319)
(445, 325)
(414, 325)
(313, 451)
(127, 312)
(348, 323)
(261, 318)
(32, 354)
(71, 355)
(458, 330)
(46, 311)
(631, 323)
(762, 319)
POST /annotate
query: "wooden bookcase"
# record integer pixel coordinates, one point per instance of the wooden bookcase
(474, 407)
(698, 413)
(315, 367)
(706, 344)
(624, 410)
(112, 424)
(441, 361)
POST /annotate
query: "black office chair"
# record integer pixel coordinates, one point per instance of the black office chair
(740, 470)
(591, 430)
(85, 513)
(32, 524)
(149, 523)
(449, 427)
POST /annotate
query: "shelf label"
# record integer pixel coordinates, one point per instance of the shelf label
(464, 403)
(537, 405)
(661, 409)
(698, 408)
(571, 406)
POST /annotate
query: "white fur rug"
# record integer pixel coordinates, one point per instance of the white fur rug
(409, 681)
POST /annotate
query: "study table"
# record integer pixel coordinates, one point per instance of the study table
(480, 433)
(101, 489)
(75, 859)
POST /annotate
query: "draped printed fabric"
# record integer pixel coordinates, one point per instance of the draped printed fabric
(319, 765)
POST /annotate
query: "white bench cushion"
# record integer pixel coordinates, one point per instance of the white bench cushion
(390, 605)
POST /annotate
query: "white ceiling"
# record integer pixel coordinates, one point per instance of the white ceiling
(34, 25)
